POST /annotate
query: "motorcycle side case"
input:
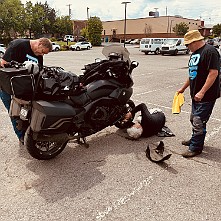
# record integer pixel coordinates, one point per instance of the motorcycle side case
(51, 117)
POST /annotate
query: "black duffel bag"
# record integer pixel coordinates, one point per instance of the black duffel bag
(17, 82)
(57, 83)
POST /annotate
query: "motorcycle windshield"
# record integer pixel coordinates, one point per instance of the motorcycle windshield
(119, 49)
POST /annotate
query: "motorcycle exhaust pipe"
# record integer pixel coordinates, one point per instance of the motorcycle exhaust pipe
(51, 137)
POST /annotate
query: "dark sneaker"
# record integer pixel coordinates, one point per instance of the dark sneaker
(190, 153)
(186, 142)
(21, 140)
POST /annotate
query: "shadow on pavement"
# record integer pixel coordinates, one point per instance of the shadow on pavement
(77, 168)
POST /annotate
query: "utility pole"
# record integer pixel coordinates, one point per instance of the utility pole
(171, 21)
(69, 10)
(125, 20)
(168, 21)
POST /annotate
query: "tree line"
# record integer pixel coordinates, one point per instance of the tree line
(31, 20)
(37, 20)
(182, 28)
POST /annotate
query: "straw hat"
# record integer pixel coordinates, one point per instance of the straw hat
(192, 36)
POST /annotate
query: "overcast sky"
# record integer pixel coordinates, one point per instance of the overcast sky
(107, 10)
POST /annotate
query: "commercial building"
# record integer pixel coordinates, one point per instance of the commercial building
(156, 27)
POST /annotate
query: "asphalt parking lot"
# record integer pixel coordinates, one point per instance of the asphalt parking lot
(112, 179)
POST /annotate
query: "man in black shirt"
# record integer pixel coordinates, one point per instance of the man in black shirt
(204, 88)
(22, 50)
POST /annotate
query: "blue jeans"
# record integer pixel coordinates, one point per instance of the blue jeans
(200, 115)
(6, 99)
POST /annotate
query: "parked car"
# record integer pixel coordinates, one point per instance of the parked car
(79, 38)
(213, 42)
(55, 46)
(151, 45)
(174, 46)
(210, 41)
(2, 50)
(135, 41)
(128, 41)
(80, 46)
(68, 38)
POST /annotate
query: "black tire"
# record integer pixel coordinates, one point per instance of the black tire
(130, 105)
(146, 52)
(162, 53)
(56, 49)
(176, 52)
(157, 51)
(42, 150)
(77, 48)
(88, 47)
(187, 51)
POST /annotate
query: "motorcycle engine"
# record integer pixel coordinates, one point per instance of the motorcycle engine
(103, 114)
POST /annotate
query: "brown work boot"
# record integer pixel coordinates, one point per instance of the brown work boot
(190, 153)
(186, 142)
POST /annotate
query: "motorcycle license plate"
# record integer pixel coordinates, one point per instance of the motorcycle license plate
(23, 113)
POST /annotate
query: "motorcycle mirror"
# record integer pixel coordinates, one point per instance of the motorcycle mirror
(97, 60)
(134, 64)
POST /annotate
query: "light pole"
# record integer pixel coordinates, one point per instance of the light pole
(125, 20)
(69, 10)
(87, 13)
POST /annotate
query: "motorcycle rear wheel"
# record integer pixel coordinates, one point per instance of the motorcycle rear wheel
(42, 150)
(130, 105)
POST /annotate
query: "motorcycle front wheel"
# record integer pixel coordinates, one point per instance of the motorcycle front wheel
(43, 150)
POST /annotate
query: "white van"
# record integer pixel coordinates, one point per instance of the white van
(68, 38)
(151, 45)
(174, 46)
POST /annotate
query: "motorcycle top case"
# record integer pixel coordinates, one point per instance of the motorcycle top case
(51, 117)
(17, 82)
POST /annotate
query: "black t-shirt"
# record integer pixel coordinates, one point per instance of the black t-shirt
(20, 50)
(201, 61)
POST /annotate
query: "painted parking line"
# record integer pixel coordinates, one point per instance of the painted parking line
(124, 199)
(151, 91)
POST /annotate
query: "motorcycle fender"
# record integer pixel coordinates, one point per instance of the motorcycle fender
(122, 94)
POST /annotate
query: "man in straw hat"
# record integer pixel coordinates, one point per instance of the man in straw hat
(204, 88)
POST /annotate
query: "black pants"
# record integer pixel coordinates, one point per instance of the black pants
(151, 123)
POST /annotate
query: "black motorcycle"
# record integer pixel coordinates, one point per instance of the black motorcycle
(61, 106)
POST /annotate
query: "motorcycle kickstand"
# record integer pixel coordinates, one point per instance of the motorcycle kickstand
(83, 142)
